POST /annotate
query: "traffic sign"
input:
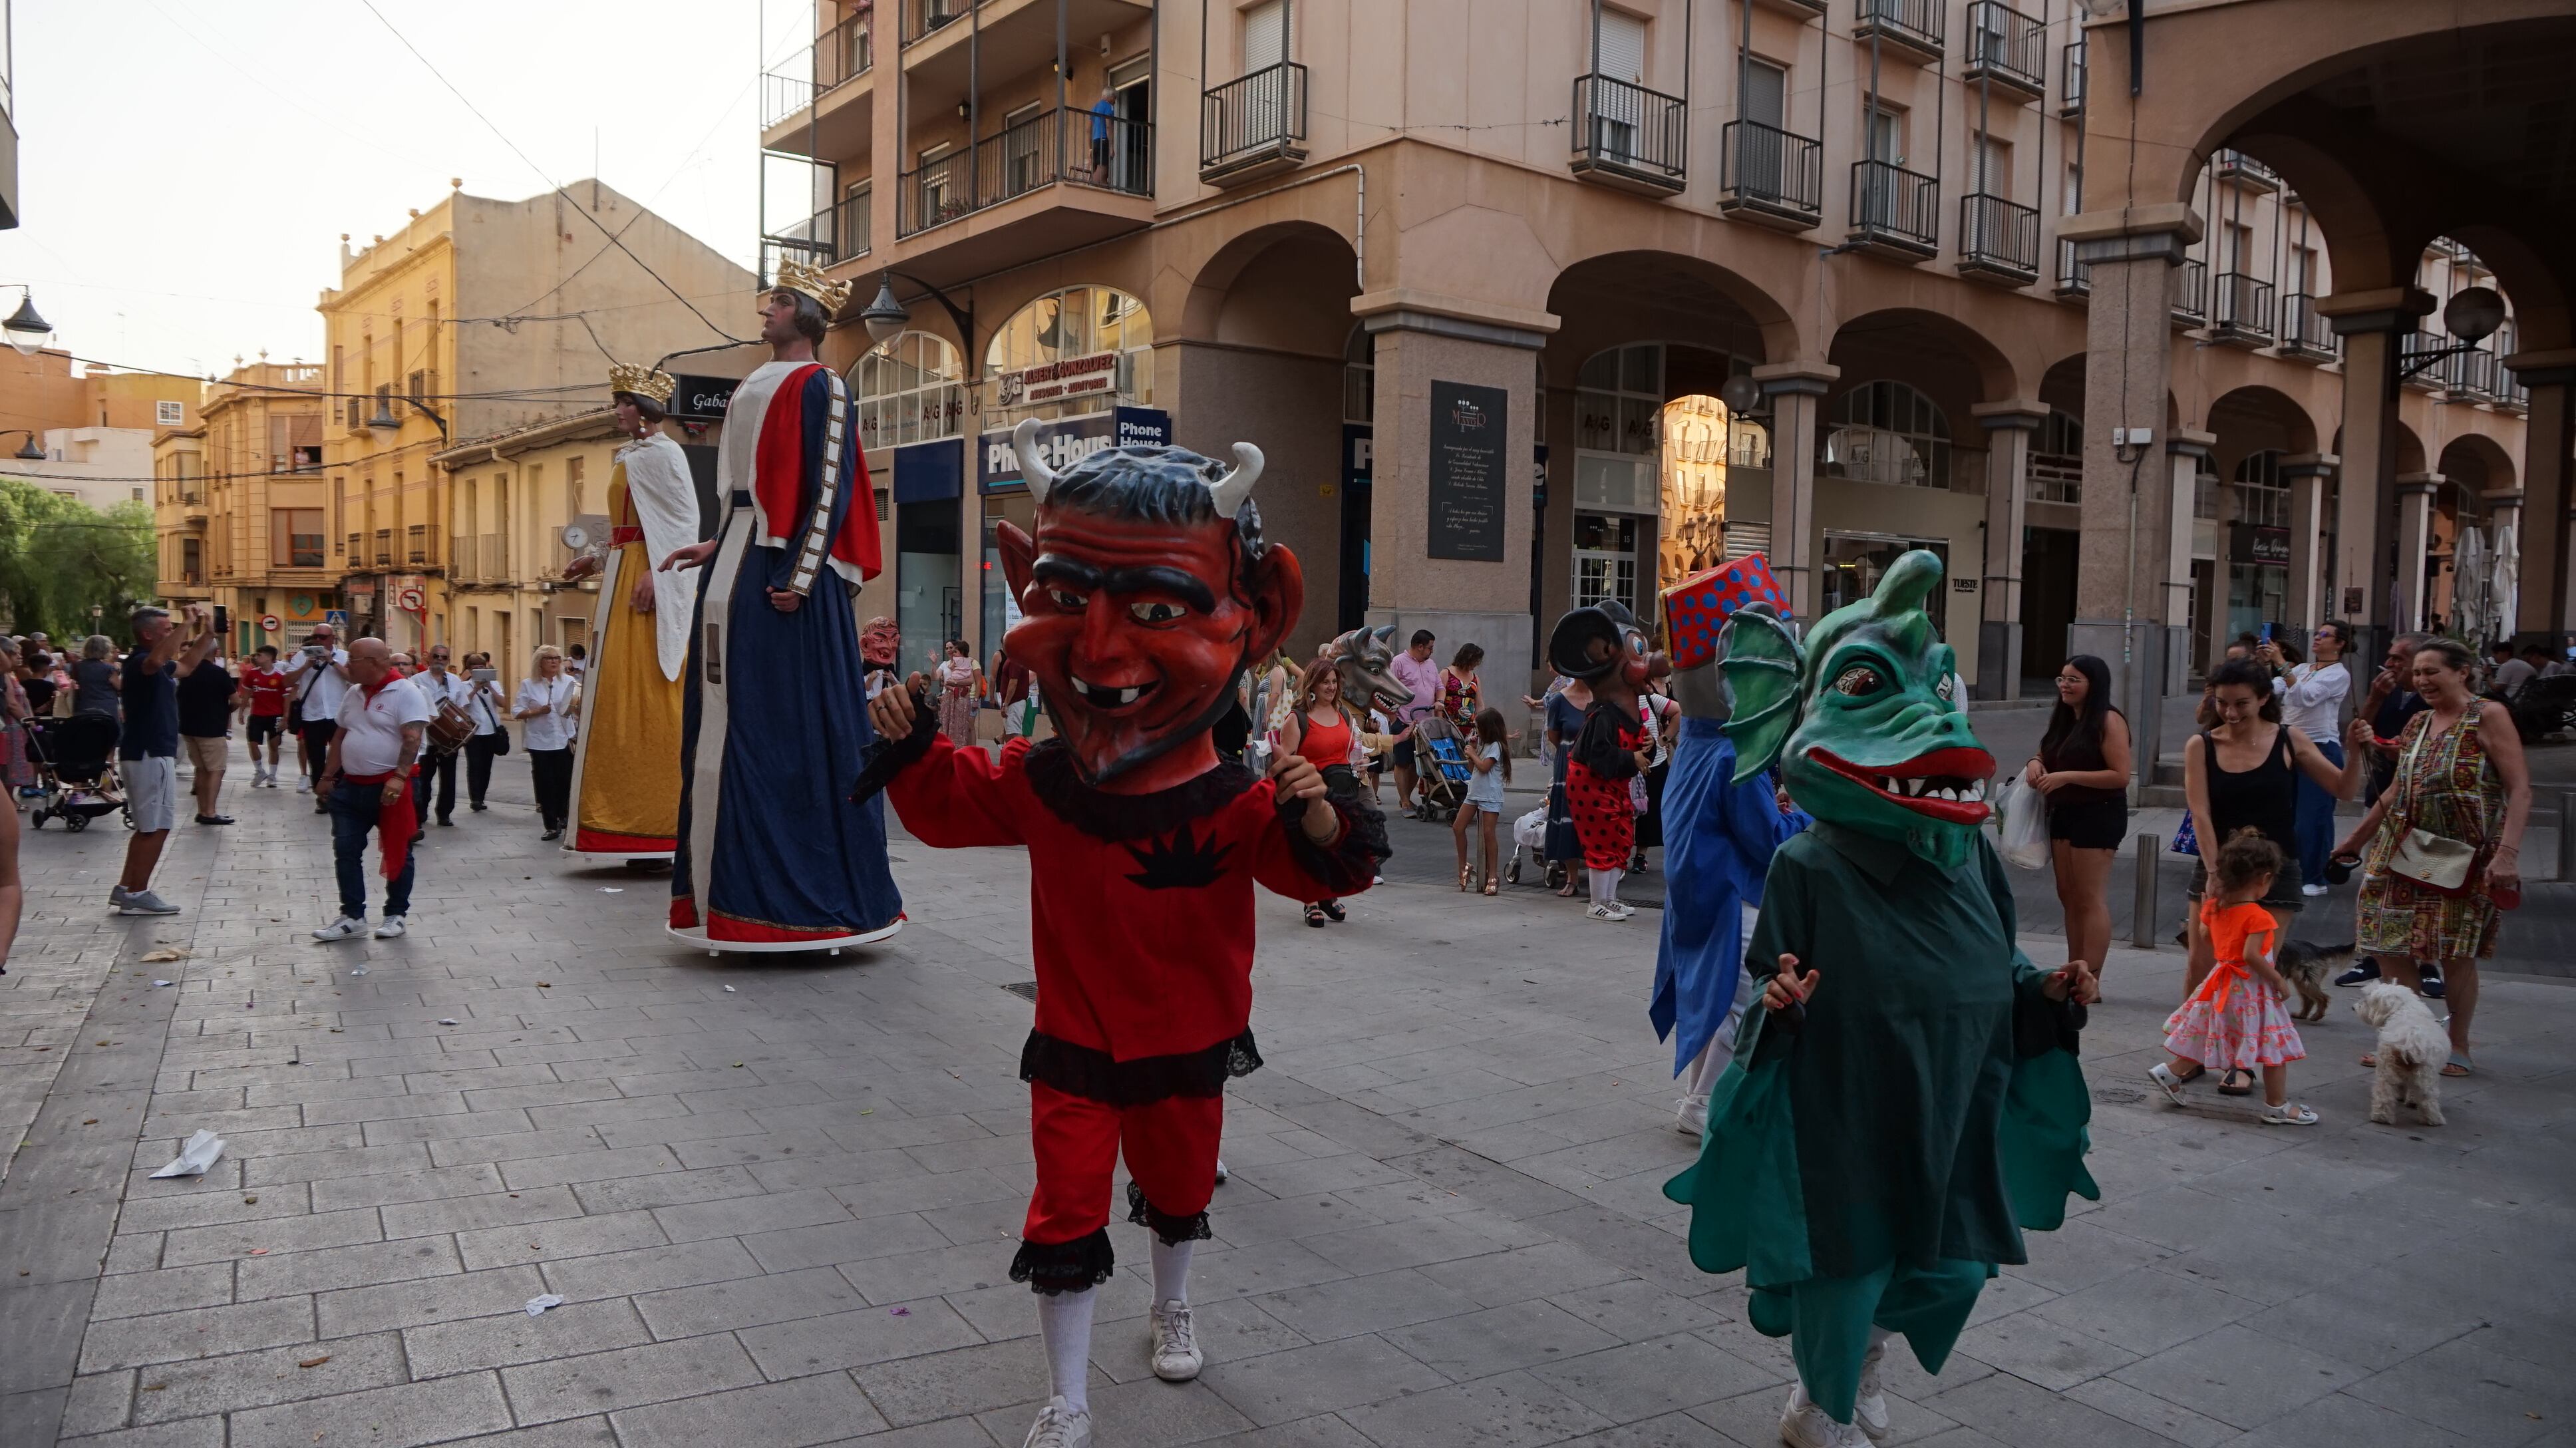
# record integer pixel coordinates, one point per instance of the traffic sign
(337, 618)
(411, 599)
(269, 623)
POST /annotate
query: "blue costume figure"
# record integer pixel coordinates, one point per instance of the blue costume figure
(772, 854)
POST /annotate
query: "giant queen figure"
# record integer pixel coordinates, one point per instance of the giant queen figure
(772, 854)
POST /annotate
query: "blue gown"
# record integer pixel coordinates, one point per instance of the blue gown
(1718, 841)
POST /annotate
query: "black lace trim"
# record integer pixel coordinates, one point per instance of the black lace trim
(1075, 1266)
(1349, 863)
(1171, 1230)
(1097, 1076)
(1054, 780)
(2041, 1025)
(885, 758)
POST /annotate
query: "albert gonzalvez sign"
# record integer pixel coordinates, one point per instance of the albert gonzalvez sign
(1467, 484)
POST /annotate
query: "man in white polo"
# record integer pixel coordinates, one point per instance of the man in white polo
(365, 783)
(315, 679)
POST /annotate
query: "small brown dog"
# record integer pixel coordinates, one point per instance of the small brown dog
(2307, 968)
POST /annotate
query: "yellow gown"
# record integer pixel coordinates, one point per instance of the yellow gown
(627, 785)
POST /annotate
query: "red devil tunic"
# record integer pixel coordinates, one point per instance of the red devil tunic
(1141, 916)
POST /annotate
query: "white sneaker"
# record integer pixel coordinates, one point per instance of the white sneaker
(341, 929)
(1804, 1425)
(391, 929)
(1176, 1349)
(1059, 1427)
(304, 785)
(1604, 912)
(1869, 1409)
(2316, 887)
(144, 902)
(1222, 1175)
(1691, 1119)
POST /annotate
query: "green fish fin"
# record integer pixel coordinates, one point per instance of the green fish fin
(1762, 665)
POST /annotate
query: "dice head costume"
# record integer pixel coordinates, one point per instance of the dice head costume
(1873, 1156)
(772, 856)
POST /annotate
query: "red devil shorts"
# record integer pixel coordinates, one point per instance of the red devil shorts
(1171, 1148)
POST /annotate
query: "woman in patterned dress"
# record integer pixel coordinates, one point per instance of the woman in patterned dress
(957, 693)
(2460, 775)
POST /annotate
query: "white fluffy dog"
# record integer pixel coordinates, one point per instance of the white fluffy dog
(2412, 1048)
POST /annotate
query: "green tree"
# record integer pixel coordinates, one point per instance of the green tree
(59, 556)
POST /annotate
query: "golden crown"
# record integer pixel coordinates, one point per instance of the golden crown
(644, 382)
(796, 276)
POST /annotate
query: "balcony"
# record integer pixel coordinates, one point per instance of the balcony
(842, 54)
(835, 234)
(2305, 334)
(2074, 276)
(1770, 176)
(2191, 294)
(2471, 374)
(2055, 478)
(1797, 9)
(820, 108)
(2244, 315)
(1628, 136)
(1909, 30)
(1894, 212)
(479, 558)
(2006, 50)
(1253, 126)
(923, 17)
(1998, 240)
(2072, 102)
(2416, 345)
(2245, 171)
(1054, 180)
(2512, 393)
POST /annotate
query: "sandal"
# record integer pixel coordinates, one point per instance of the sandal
(2288, 1115)
(2370, 1060)
(1495, 887)
(2237, 1082)
(1315, 916)
(2457, 1066)
(1466, 878)
(1333, 911)
(2185, 1078)
(2168, 1081)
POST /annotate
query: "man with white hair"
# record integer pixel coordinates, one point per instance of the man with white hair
(316, 678)
(366, 784)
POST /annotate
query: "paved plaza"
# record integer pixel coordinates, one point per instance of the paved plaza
(779, 1199)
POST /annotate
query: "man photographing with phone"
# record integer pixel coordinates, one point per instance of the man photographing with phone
(148, 756)
(317, 676)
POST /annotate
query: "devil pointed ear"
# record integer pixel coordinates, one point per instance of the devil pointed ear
(1762, 663)
(1019, 555)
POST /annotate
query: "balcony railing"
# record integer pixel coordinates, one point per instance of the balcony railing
(2305, 332)
(1772, 172)
(1108, 152)
(2245, 171)
(2416, 345)
(2072, 102)
(2471, 373)
(1253, 122)
(479, 558)
(843, 53)
(836, 233)
(2074, 276)
(2006, 47)
(384, 547)
(2512, 393)
(1894, 207)
(1627, 134)
(2191, 294)
(2056, 478)
(2244, 309)
(924, 17)
(1911, 24)
(1998, 239)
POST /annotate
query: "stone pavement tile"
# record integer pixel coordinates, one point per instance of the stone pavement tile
(769, 1213)
(856, 1338)
(1514, 1410)
(664, 1189)
(1500, 1339)
(1416, 1242)
(418, 1185)
(628, 1377)
(906, 1275)
(2040, 1351)
(946, 1433)
(410, 1304)
(1325, 1378)
(132, 1252)
(965, 1380)
(273, 1236)
(1152, 1411)
(445, 1128)
(847, 1241)
(206, 1432)
(272, 1375)
(1289, 1219)
(566, 1433)
(505, 1145)
(882, 1132)
(2081, 1253)
(2241, 1377)
(383, 1108)
(506, 1339)
(2340, 1420)
(1243, 1271)
(1648, 1379)
(1009, 1309)
(1324, 1430)
(403, 1416)
(310, 1166)
(2481, 1393)
(1356, 1305)
(619, 1274)
(1305, 1175)
(2152, 1413)
(168, 1290)
(750, 1302)
(586, 1166)
(2369, 1324)
(2022, 1415)
(98, 1402)
(1003, 1219)
(335, 1267)
(796, 1414)
(1522, 1273)
(2146, 1311)
(210, 1208)
(559, 1239)
(1633, 1310)
(127, 1342)
(672, 1130)
(1229, 1330)
(475, 1213)
(1672, 1430)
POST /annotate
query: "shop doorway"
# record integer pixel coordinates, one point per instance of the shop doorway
(929, 592)
(2047, 599)
(1855, 562)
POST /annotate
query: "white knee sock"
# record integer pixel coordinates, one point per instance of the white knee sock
(1600, 886)
(1171, 1272)
(1064, 1321)
(1610, 887)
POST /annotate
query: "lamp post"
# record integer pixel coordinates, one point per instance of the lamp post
(26, 328)
(385, 421)
(30, 451)
(886, 318)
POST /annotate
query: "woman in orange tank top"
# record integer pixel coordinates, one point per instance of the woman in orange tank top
(1321, 731)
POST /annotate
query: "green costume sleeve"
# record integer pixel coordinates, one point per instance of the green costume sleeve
(2048, 1109)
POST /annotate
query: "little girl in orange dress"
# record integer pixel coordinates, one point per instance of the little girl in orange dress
(2236, 1020)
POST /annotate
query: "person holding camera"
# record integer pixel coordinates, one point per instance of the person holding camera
(486, 705)
(317, 676)
(148, 754)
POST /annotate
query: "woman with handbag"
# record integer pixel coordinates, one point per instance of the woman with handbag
(2441, 852)
(2242, 772)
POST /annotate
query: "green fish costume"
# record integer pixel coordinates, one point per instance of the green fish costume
(1874, 1154)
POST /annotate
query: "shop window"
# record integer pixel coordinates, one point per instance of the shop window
(1888, 432)
(2204, 487)
(1359, 377)
(1605, 559)
(2261, 497)
(1855, 562)
(1077, 324)
(910, 390)
(2056, 467)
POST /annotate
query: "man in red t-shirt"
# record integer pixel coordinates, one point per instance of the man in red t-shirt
(264, 688)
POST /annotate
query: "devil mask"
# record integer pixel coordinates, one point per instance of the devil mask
(880, 641)
(1144, 591)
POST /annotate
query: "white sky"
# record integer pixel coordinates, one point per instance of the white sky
(186, 167)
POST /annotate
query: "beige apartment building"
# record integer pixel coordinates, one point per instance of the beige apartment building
(478, 319)
(239, 503)
(1537, 302)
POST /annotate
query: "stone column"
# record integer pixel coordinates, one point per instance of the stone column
(1422, 340)
(1797, 392)
(2373, 325)
(2309, 475)
(2008, 428)
(2123, 561)
(2549, 439)
(2185, 449)
(2414, 540)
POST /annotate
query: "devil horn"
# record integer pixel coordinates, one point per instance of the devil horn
(1236, 485)
(1033, 468)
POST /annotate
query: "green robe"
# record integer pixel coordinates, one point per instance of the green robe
(1929, 1106)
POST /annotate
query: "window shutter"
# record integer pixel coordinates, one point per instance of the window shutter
(1766, 94)
(1265, 35)
(1623, 47)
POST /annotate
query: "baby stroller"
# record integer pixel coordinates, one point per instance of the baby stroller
(1445, 770)
(74, 762)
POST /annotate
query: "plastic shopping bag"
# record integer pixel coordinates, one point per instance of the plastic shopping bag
(2025, 826)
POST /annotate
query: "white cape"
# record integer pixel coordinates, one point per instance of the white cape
(665, 500)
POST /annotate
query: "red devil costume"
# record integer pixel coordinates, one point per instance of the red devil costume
(1145, 592)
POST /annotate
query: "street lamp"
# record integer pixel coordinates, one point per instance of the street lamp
(26, 328)
(30, 451)
(385, 421)
(886, 317)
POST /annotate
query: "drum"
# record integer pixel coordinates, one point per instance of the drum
(449, 728)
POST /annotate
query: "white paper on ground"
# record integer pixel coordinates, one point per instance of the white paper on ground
(195, 1155)
(538, 1305)
(160, 982)
(447, 1020)
(357, 970)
